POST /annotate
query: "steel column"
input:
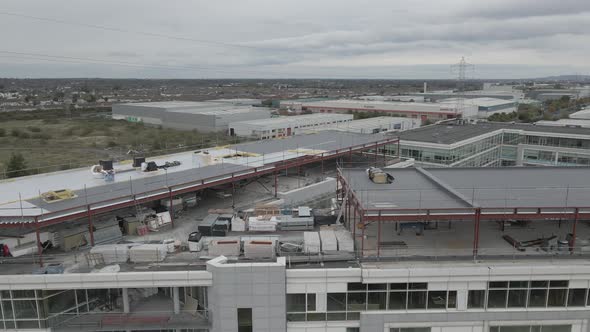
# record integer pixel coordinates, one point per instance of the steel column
(362, 233)
(476, 232)
(171, 208)
(90, 226)
(39, 246)
(233, 195)
(576, 217)
(276, 184)
(379, 235)
(376, 153)
(354, 225)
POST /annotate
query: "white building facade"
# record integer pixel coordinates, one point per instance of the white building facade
(286, 125)
(494, 296)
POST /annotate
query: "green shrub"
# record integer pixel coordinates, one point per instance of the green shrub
(34, 129)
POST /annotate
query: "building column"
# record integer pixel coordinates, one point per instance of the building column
(125, 296)
(176, 300)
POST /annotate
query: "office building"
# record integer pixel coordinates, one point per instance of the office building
(454, 144)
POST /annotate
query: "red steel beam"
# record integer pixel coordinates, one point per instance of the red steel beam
(476, 232)
(203, 183)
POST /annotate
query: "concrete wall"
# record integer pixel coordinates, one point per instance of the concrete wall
(260, 286)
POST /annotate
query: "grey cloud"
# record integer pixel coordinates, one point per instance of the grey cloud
(300, 37)
(502, 9)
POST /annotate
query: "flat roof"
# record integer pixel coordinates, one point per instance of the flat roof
(482, 101)
(376, 121)
(295, 119)
(211, 164)
(458, 188)
(452, 133)
(581, 114)
(381, 105)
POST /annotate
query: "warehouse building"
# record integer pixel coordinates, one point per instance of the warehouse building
(286, 125)
(206, 116)
(377, 125)
(495, 144)
(422, 111)
(486, 106)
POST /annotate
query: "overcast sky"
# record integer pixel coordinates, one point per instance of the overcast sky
(293, 38)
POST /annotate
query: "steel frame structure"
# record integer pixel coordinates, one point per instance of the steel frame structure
(89, 210)
(367, 216)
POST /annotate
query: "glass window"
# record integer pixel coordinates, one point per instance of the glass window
(437, 299)
(517, 298)
(353, 315)
(356, 286)
(515, 328)
(245, 320)
(353, 329)
(556, 328)
(295, 302)
(539, 284)
(336, 316)
(557, 297)
(27, 324)
(60, 302)
(336, 301)
(576, 297)
(409, 329)
(475, 298)
(519, 284)
(376, 300)
(452, 299)
(23, 294)
(418, 285)
(295, 317)
(7, 309)
(497, 298)
(311, 302)
(417, 300)
(558, 284)
(537, 298)
(402, 286)
(377, 287)
(498, 284)
(25, 309)
(316, 316)
(356, 302)
(397, 300)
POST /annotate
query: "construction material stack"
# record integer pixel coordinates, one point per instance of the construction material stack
(112, 253)
(379, 176)
(328, 240)
(225, 247)
(345, 241)
(311, 243)
(259, 249)
(148, 253)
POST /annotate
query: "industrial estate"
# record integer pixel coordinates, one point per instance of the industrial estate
(401, 213)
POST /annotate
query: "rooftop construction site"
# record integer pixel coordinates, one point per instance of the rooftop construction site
(248, 200)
